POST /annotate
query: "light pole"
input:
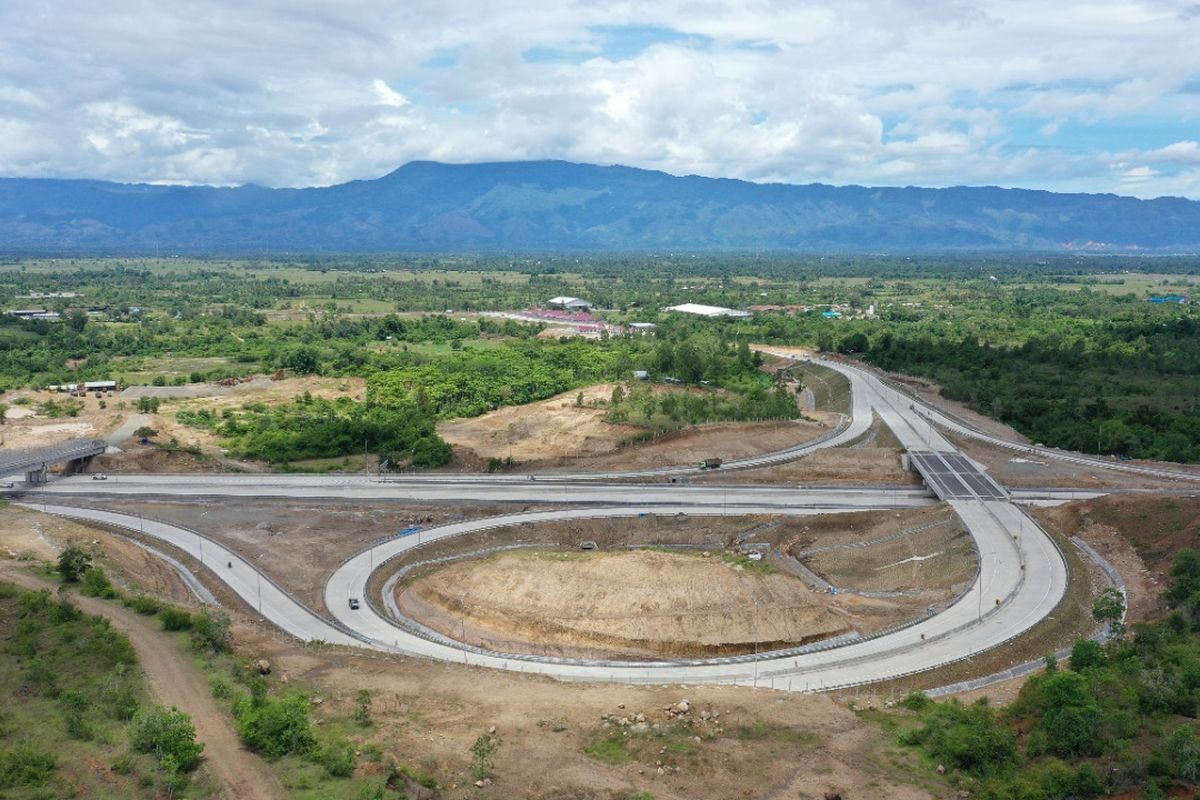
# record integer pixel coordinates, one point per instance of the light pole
(754, 627)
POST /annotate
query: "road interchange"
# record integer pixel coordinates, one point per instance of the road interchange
(1021, 579)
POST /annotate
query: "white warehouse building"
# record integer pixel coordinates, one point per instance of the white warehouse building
(570, 303)
(702, 310)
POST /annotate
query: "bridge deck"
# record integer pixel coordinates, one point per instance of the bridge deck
(17, 461)
(953, 477)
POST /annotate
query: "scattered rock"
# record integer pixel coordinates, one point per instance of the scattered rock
(941, 769)
(483, 783)
(661, 771)
(492, 730)
(263, 666)
(833, 796)
(620, 705)
(640, 718)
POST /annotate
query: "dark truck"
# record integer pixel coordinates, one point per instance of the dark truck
(710, 463)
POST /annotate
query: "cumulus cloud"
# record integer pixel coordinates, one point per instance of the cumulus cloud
(1010, 92)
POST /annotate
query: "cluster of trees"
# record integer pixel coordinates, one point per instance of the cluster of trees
(1128, 387)
(312, 428)
(472, 383)
(1123, 717)
(668, 410)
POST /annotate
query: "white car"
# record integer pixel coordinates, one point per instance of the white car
(99, 476)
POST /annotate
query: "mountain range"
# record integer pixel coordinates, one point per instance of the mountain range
(558, 205)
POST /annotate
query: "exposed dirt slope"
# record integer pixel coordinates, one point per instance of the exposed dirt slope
(633, 603)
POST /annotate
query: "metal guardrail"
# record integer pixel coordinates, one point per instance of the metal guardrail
(14, 461)
(331, 622)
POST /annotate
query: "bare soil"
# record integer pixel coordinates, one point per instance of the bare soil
(1139, 535)
(26, 428)
(1020, 470)
(562, 434)
(300, 543)
(839, 466)
(29, 536)
(553, 428)
(626, 604)
(427, 715)
(566, 603)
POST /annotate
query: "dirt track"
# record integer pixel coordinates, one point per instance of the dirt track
(175, 681)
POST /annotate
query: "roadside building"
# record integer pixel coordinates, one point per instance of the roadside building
(569, 303)
(701, 310)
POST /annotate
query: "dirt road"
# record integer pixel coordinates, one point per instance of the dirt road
(175, 681)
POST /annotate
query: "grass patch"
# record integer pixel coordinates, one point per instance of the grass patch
(745, 562)
(762, 731)
(610, 750)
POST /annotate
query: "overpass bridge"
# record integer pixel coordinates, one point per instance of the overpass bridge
(35, 462)
(951, 476)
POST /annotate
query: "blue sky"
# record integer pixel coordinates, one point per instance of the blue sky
(1096, 96)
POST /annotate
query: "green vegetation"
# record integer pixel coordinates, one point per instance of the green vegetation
(317, 428)
(73, 697)
(73, 561)
(1122, 718)
(1068, 350)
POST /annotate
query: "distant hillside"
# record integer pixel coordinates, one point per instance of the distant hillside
(553, 205)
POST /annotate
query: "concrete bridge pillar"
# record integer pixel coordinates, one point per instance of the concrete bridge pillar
(36, 477)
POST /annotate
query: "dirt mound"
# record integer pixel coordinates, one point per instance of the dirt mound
(563, 432)
(555, 427)
(634, 604)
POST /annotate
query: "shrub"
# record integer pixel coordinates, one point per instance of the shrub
(25, 766)
(1087, 654)
(73, 562)
(75, 706)
(483, 756)
(95, 583)
(275, 727)
(175, 619)
(362, 707)
(337, 758)
(916, 701)
(170, 735)
(966, 737)
(146, 606)
(212, 630)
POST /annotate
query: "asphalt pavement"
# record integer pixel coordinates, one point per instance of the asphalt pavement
(1022, 575)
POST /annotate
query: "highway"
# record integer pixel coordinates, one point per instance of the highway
(477, 489)
(1021, 579)
(934, 416)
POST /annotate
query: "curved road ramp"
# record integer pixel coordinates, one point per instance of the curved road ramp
(1022, 575)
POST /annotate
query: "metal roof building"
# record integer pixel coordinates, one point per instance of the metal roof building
(701, 310)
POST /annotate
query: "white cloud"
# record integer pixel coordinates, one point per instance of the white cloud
(885, 91)
(387, 95)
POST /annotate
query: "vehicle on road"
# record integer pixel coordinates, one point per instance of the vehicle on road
(710, 463)
(6, 485)
(99, 476)
(354, 604)
(587, 545)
